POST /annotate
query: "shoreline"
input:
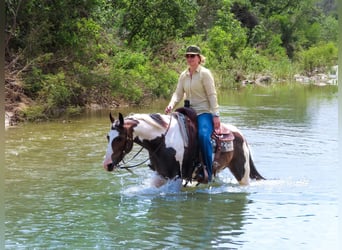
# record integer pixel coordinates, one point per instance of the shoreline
(12, 118)
(16, 100)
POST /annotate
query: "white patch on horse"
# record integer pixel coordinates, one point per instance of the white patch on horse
(174, 140)
(153, 127)
(245, 178)
(108, 157)
(143, 131)
(246, 152)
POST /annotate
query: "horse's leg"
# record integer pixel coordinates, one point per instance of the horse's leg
(226, 160)
(158, 181)
(239, 163)
(222, 162)
(243, 164)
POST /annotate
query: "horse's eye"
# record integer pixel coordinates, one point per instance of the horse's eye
(108, 138)
(117, 139)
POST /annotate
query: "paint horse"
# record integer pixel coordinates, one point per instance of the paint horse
(169, 153)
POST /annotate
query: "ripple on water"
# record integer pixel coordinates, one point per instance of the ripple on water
(59, 197)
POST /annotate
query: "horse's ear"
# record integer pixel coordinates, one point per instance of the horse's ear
(111, 117)
(121, 119)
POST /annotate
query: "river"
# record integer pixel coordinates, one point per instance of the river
(57, 195)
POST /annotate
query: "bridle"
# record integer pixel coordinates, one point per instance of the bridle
(128, 147)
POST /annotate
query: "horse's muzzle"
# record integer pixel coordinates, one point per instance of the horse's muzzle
(110, 167)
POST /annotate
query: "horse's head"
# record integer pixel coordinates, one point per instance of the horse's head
(120, 142)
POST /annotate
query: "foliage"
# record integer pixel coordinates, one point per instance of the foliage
(317, 57)
(155, 22)
(57, 94)
(233, 29)
(74, 53)
(329, 26)
(47, 26)
(251, 62)
(282, 69)
(34, 113)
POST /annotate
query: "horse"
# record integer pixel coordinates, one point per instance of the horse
(169, 153)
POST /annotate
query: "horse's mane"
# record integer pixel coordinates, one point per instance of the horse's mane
(154, 119)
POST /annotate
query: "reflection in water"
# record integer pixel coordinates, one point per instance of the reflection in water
(200, 221)
(188, 220)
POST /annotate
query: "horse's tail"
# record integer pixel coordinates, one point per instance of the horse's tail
(253, 174)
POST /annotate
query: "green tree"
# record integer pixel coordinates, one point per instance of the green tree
(232, 27)
(38, 27)
(155, 23)
(297, 22)
(69, 53)
(329, 28)
(318, 57)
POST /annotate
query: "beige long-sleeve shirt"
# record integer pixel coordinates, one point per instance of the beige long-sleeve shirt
(199, 89)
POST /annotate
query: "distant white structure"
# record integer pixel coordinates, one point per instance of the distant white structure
(333, 75)
(320, 79)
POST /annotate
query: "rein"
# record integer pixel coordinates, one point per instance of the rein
(153, 153)
(136, 165)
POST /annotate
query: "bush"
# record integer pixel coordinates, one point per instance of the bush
(282, 69)
(318, 57)
(34, 113)
(251, 62)
(165, 79)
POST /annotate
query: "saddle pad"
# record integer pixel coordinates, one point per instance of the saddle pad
(182, 126)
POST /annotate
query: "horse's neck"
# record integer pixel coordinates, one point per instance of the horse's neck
(147, 131)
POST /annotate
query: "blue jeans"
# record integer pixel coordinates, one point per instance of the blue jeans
(205, 128)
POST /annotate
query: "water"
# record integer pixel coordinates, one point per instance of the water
(59, 197)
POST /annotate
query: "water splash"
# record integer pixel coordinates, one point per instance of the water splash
(148, 187)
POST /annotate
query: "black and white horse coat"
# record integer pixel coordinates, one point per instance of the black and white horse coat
(169, 156)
